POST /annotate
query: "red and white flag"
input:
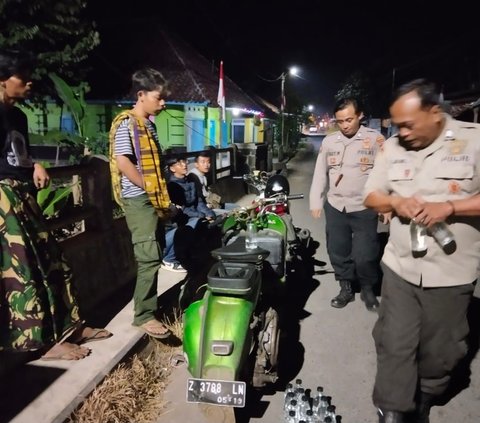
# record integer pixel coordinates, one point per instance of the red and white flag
(221, 92)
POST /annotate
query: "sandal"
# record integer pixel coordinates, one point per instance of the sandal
(66, 351)
(156, 329)
(87, 334)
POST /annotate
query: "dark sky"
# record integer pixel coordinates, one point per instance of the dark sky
(327, 40)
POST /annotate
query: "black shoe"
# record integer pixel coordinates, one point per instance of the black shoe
(385, 416)
(345, 296)
(422, 412)
(369, 298)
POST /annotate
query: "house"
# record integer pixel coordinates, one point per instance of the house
(192, 119)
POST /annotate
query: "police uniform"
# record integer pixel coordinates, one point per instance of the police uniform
(342, 167)
(421, 330)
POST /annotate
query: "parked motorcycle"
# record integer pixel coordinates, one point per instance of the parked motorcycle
(231, 335)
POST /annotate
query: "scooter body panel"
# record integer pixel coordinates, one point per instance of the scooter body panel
(222, 321)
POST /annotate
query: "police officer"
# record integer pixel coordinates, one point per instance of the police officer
(424, 175)
(343, 164)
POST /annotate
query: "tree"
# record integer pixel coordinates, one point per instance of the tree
(53, 30)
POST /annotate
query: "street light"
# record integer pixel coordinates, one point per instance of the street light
(294, 72)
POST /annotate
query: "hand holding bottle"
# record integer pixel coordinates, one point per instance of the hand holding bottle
(433, 213)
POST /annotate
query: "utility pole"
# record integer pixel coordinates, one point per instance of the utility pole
(282, 111)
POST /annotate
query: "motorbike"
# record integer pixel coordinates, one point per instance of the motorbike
(231, 335)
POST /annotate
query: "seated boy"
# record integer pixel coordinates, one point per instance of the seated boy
(191, 207)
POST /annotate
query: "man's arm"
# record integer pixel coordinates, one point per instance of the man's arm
(381, 202)
(440, 211)
(319, 183)
(123, 149)
(129, 170)
(40, 176)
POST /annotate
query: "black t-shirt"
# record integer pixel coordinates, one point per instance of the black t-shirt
(15, 160)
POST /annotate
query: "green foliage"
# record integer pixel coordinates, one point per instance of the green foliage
(52, 199)
(54, 30)
(74, 99)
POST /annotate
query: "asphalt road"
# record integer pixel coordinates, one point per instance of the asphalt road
(333, 348)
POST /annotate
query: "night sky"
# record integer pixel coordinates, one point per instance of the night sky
(328, 41)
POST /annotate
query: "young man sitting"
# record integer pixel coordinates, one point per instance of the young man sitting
(198, 174)
(192, 209)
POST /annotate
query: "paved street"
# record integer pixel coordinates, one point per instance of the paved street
(329, 347)
(334, 347)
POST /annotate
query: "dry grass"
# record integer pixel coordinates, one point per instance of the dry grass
(133, 392)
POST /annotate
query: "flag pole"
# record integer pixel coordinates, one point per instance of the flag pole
(221, 101)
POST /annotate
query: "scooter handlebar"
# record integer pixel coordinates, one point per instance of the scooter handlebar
(295, 196)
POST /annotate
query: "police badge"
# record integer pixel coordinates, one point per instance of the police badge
(457, 146)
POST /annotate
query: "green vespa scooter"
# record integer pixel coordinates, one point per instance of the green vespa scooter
(231, 335)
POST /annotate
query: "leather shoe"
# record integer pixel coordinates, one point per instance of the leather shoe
(369, 298)
(345, 296)
(385, 416)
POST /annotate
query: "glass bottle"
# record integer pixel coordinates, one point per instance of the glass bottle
(418, 236)
(251, 236)
(443, 236)
(291, 418)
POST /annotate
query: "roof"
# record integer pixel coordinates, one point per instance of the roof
(192, 78)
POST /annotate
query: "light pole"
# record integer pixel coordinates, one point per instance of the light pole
(294, 72)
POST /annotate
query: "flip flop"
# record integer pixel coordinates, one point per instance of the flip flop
(145, 328)
(65, 355)
(96, 335)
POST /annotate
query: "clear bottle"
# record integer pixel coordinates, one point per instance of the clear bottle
(321, 410)
(289, 397)
(443, 236)
(418, 236)
(303, 407)
(316, 399)
(331, 413)
(299, 393)
(289, 388)
(311, 418)
(251, 236)
(292, 406)
(291, 418)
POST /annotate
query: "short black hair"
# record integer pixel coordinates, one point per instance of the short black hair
(171, 160)
(149, 79)
(426, 91)
(15, 62)
(205, 154)
(343, 103)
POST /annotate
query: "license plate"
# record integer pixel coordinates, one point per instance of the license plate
(219, 392)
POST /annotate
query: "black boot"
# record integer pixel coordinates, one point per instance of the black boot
(422, 412)
(345, 296)
(369, 298)
(385, 416)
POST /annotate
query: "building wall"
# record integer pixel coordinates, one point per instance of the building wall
(190, 126)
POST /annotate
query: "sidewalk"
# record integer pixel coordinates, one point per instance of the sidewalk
(48, 392)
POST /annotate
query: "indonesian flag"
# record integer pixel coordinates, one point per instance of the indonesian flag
(221, 92)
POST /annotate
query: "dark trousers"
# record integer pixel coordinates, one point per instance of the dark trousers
(420, 336)
(353, 245)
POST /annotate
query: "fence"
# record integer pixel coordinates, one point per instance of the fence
(101, 256)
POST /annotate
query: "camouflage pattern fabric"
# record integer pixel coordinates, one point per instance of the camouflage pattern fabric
(36, 303)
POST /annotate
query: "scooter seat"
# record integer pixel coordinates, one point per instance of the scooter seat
(232, 278)
(236, 252)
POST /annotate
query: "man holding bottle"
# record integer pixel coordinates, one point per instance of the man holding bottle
(424, 176)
